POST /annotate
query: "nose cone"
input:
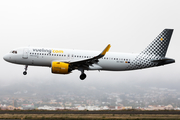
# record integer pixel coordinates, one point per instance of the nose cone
(7, 58)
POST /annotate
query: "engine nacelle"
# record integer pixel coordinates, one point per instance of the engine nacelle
(60, 68)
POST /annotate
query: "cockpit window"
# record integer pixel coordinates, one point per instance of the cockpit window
(14, 52)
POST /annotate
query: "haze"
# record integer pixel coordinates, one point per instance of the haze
(129, 26)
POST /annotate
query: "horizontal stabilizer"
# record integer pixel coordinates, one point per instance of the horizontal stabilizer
(163, 61)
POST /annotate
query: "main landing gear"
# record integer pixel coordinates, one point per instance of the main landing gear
(83, 75)
(25, 72)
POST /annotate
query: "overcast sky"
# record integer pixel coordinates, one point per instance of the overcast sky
(128, 25)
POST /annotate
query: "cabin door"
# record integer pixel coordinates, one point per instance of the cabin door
(25, 53)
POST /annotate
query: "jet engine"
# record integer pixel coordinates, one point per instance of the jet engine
(60, 68)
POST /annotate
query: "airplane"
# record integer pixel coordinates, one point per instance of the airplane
(64, 61)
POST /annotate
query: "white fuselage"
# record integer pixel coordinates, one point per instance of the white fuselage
(63, 61)
(45, 56)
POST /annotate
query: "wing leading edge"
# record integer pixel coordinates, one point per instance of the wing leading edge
(87, 62)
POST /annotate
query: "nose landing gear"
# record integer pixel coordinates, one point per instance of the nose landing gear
(25, 72)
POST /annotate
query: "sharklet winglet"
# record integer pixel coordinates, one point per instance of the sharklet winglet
(105, 50)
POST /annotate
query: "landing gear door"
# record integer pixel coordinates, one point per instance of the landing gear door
(25, 53)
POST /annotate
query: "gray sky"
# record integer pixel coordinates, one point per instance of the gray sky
(129, 26)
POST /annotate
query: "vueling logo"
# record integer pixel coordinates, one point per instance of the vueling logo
(57, 51)
(42, 50)
(48, 50)
(161, 39)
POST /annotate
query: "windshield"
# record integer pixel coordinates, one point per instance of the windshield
(14, 52)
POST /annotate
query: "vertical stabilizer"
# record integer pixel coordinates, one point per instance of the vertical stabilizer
(154, 54)
(159, 46)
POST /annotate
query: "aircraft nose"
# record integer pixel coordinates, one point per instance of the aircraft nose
(5, 57)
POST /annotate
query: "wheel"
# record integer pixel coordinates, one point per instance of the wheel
(82, 76)
(24, 73)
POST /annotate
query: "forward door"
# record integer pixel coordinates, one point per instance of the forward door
(25, 53)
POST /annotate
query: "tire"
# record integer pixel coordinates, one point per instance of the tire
(82, 76)
(24, 73)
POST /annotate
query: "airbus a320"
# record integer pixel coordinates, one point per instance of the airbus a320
(64, 61)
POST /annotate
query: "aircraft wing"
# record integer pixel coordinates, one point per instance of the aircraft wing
(86, 62)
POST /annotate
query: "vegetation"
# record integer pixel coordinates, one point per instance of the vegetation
(30, 116)
(89, 116)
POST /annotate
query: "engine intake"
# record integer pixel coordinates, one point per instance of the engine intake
(60, 68)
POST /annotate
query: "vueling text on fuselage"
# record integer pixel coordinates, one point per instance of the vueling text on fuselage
(57, 51)
(48, 50)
